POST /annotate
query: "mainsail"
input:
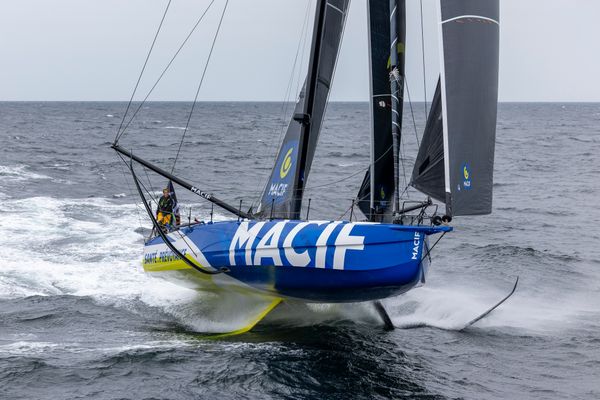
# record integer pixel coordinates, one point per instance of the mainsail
(377, 190)
(466, 107)
(282, 195)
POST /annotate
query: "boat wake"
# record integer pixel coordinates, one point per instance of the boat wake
(19, 173)
(455, 308)
(89, 247)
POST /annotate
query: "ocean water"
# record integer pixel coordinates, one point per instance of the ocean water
(80, 319)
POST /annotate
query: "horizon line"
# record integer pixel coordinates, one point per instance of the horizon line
(291, 102)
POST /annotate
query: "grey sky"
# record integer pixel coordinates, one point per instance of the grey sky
(93, 49)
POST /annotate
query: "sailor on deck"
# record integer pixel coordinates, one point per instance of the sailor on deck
(164, 213)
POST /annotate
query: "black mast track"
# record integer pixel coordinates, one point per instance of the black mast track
(305, 119)
(395, 96)
(182, 183)
(379, 192)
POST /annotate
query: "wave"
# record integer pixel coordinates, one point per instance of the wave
(523, 252)
(538, 211)
(67, 246)
(18, 173)
(93, 247)
(343, 155)
(452, 307)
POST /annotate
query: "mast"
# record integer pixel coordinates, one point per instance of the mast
(396, 121)
(304, 118)
(368, 180)
(282, 196)
(375, 197)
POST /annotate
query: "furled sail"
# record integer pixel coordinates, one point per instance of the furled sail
(469, 96)
(377, 190)
(282, 195)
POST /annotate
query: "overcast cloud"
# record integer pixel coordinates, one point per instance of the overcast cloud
(94, 49)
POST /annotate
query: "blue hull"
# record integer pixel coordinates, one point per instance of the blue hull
(317, 261)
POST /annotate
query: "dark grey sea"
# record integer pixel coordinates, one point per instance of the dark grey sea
(80, 319)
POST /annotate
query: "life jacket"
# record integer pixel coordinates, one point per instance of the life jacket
(165, 204)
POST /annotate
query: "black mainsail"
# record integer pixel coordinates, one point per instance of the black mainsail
(282, 195)
(467, 111)
(377, 190)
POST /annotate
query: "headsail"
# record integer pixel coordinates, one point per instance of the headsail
(376, 192)
(282, 196)
(428, 173)
(469, 96)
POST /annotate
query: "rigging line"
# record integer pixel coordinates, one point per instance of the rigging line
(300, 49)
(402, 157)
(412, 113)
(340, 44)
(165, 70)
(296, 73)
(405, 190)
(399, 95)
(148, 192)
(363, 170)
(344, 214)
(163, 236)
(137, 207)
(423, 53)
(303, 53)
(143, 69)
(212, 47)
(286, 101)
(431, 248)
(149, 181)
(178, 231)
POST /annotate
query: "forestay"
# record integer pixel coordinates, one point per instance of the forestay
(282, 195)
(428, 173)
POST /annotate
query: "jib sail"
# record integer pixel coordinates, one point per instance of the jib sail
(282, 195)
(468, 92)
(428, 173)
(377, 190)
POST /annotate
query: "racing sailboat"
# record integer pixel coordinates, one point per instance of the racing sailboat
(272, 253)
